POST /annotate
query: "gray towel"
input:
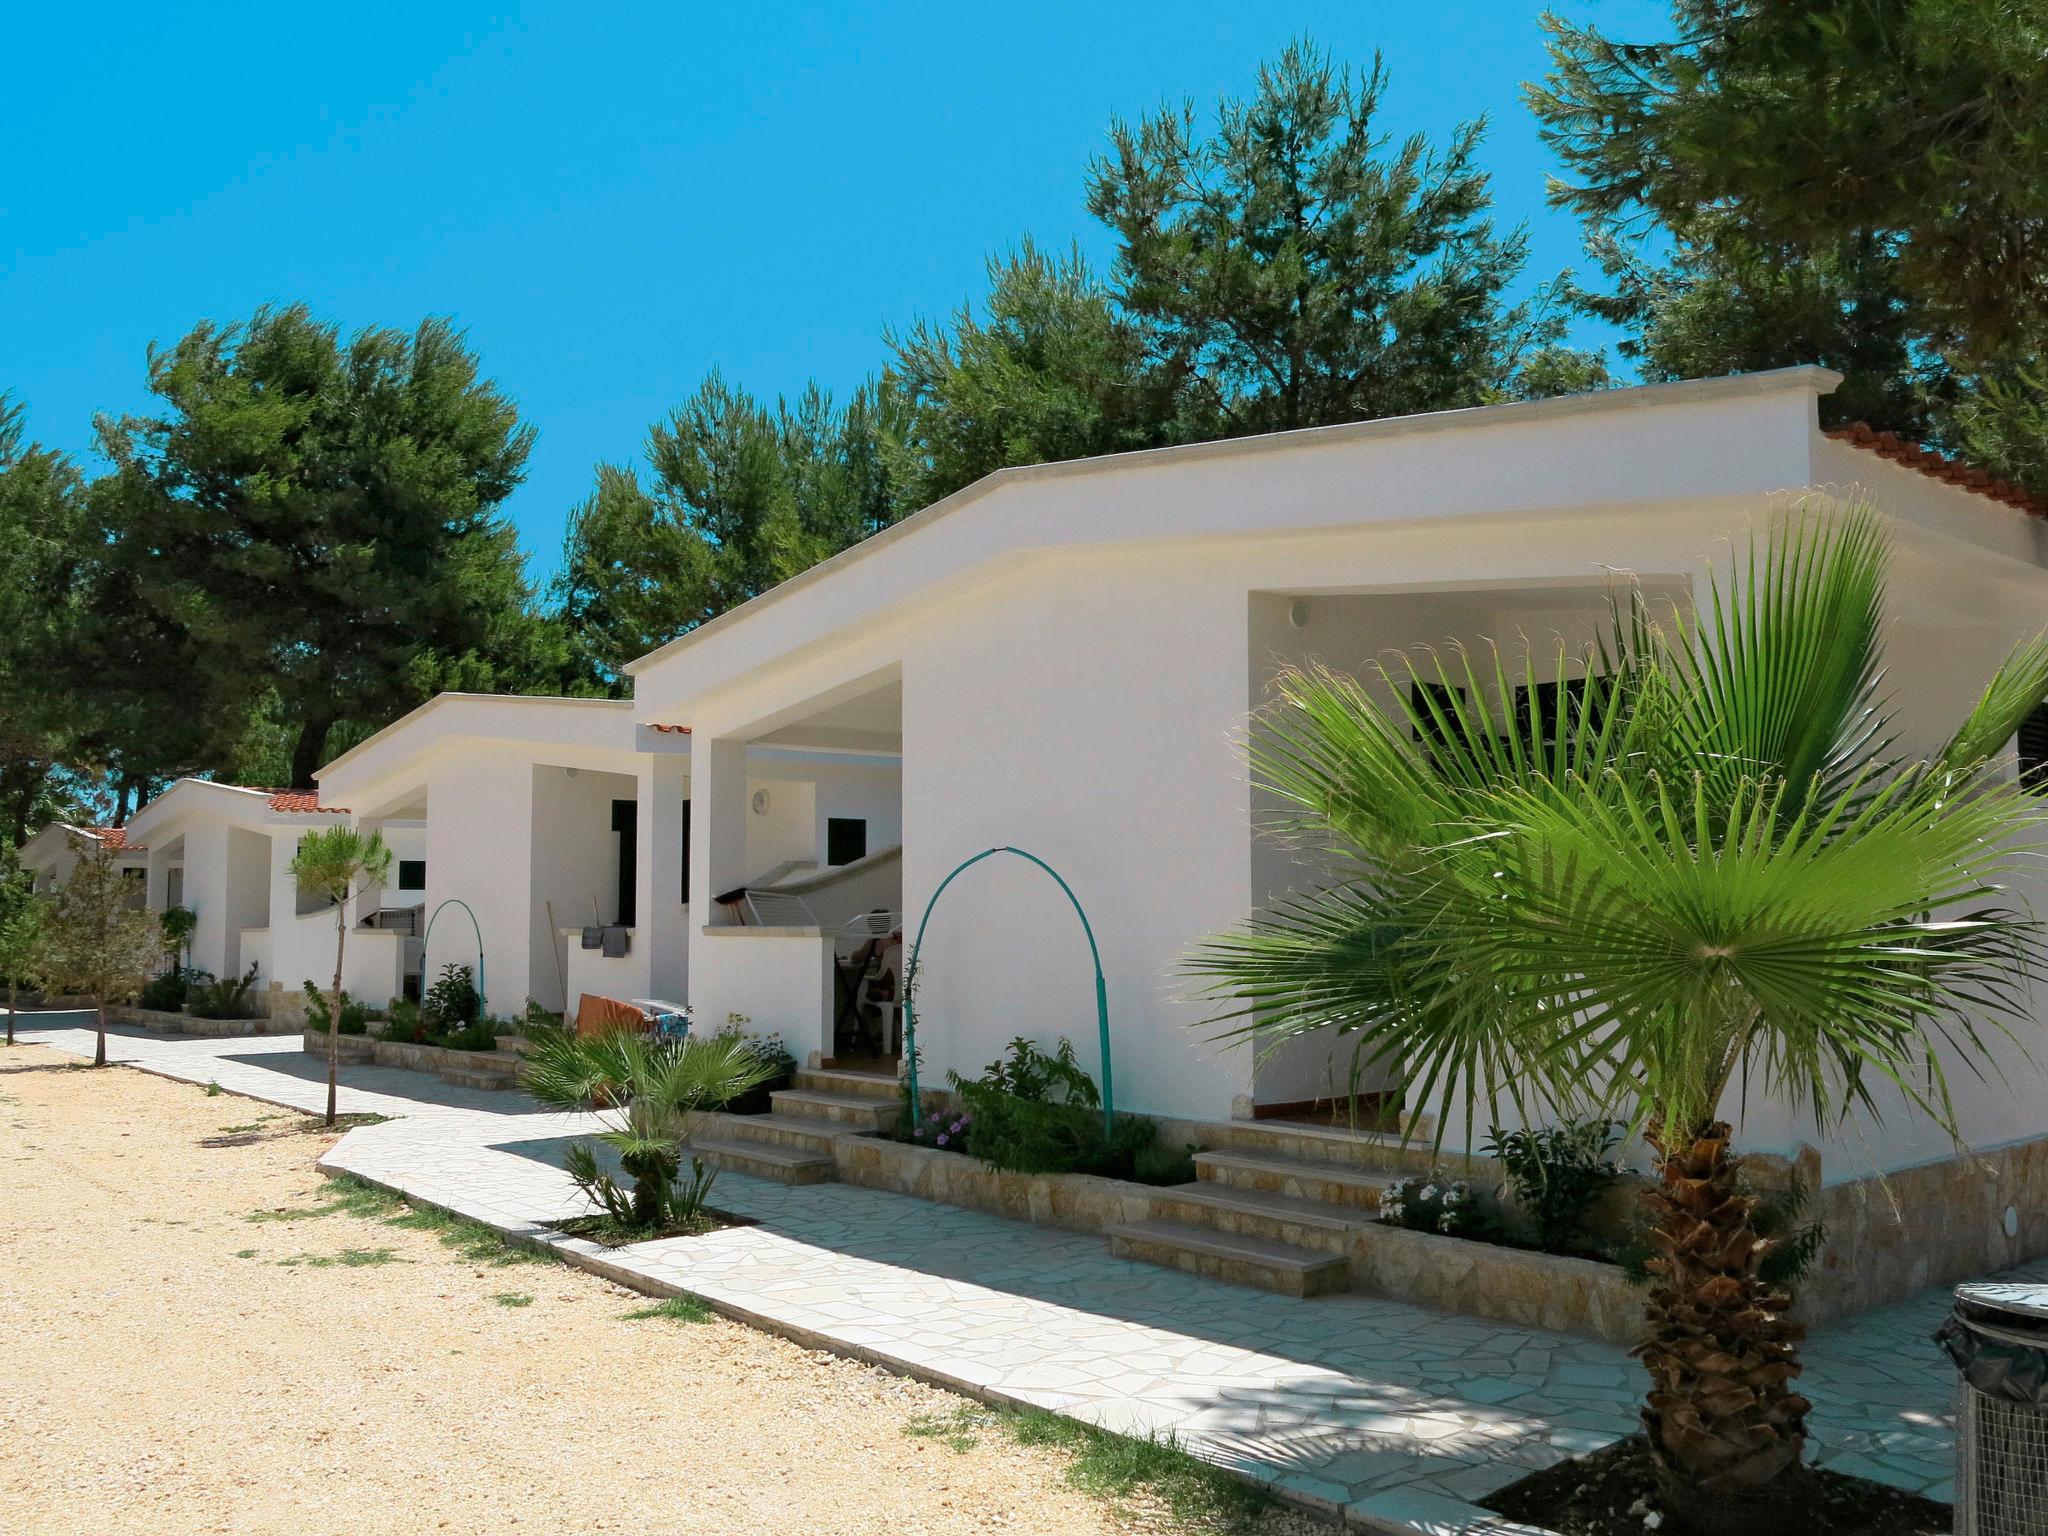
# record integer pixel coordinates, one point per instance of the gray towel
(616, 942)
(593, 938)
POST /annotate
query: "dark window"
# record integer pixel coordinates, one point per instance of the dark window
(846, 839)
(412, 874)
(686, 853)
(1559, 705)
(626, 822)
(2033, 745)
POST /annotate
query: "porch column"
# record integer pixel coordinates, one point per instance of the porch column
(718, 826)
(206, 893)
(663, 922)
(156, 879)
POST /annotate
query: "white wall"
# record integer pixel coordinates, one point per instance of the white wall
(781, 979)
(787, 829)
(248, 893)
(574, 868)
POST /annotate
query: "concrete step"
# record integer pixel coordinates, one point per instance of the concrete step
(1265, 1266)
(1294, 1178)
(798, 1133)
(851, 1111)
(1310, 1224)
(784, 1165)
(858, 1085)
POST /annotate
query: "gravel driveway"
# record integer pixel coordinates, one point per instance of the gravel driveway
(169, 1364)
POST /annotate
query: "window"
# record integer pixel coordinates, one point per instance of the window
(686, 853)
(2033, 745)
(846, 839)
(412, 874)
(626, 823)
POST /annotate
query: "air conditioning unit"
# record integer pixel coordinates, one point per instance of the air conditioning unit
(1998, 1338)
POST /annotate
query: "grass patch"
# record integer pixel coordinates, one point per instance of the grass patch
(472, 1241)
(214, 1090)
(1113, 1467)
(677, 1309)
(245, 1253)
(346, 1195)
(348, 1258)
(513, 1299)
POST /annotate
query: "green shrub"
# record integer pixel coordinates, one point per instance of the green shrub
(452, 1002)
(539, 1023)
(227, 998)
(1036, 1111)
(402, 1024)
(355, 1013)
(1161, 1164)
(166, 993)
(480, 1035)
(1557, 1175)
(774, 1058)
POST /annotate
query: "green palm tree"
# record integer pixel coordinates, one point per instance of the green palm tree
(336, 863)
(650, 1089)
(1706, 864)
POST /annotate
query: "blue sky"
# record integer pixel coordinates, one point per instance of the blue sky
(614, 199)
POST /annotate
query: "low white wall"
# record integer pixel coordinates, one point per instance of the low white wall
(589, 971)
(780, 978)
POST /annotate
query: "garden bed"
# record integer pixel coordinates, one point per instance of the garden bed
(1587, 1297)
(190, 1024)
(607, 1234)
(1613, 1492)
(1078, 1202)
(411, 1055)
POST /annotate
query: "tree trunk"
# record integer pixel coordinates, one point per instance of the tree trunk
(1724, 1425)
(13, 989)
(307, 750)
(334, 1008)
(99, 1011)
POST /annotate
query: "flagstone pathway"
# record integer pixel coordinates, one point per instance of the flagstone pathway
(1394, 1417)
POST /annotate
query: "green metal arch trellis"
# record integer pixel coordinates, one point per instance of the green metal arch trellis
(910, 981)
(453, 901)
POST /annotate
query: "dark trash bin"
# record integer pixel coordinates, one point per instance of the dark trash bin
(1997, 1337)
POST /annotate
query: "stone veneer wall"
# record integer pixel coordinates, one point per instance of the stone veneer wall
(1479, 1279)
(1891, 1236)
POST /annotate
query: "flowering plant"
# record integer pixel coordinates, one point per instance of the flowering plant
(1432, 1203)
(948, 1129)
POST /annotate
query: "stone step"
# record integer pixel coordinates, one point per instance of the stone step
(1311, 1224)
(1295, 1178)
(841, 1109)
(784, 1165)
(479, 1076)
(1341, 1145)
(1265, 1266)
(798, 1133)
(858, 1085)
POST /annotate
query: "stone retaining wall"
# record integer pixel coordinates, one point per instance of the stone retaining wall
(1542, 1290)
(186, 1024)
(400, 1053)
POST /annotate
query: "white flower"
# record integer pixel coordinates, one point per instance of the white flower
(1429, 1191)
(1448, 1220)
(1652, 1521)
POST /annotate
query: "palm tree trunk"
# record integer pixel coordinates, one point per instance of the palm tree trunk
(334, 1009)
(99, 1011)
(1724, 1425)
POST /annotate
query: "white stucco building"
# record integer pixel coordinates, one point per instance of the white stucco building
(1063, 659)
(1065, 656)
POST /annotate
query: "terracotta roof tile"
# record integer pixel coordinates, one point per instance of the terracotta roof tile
(303, 800)
(1912, 455)
(674, 730)
(116, 837)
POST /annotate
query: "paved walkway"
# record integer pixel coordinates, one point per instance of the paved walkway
(1394, 1416)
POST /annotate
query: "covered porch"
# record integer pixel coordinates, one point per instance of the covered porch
(799, 840)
